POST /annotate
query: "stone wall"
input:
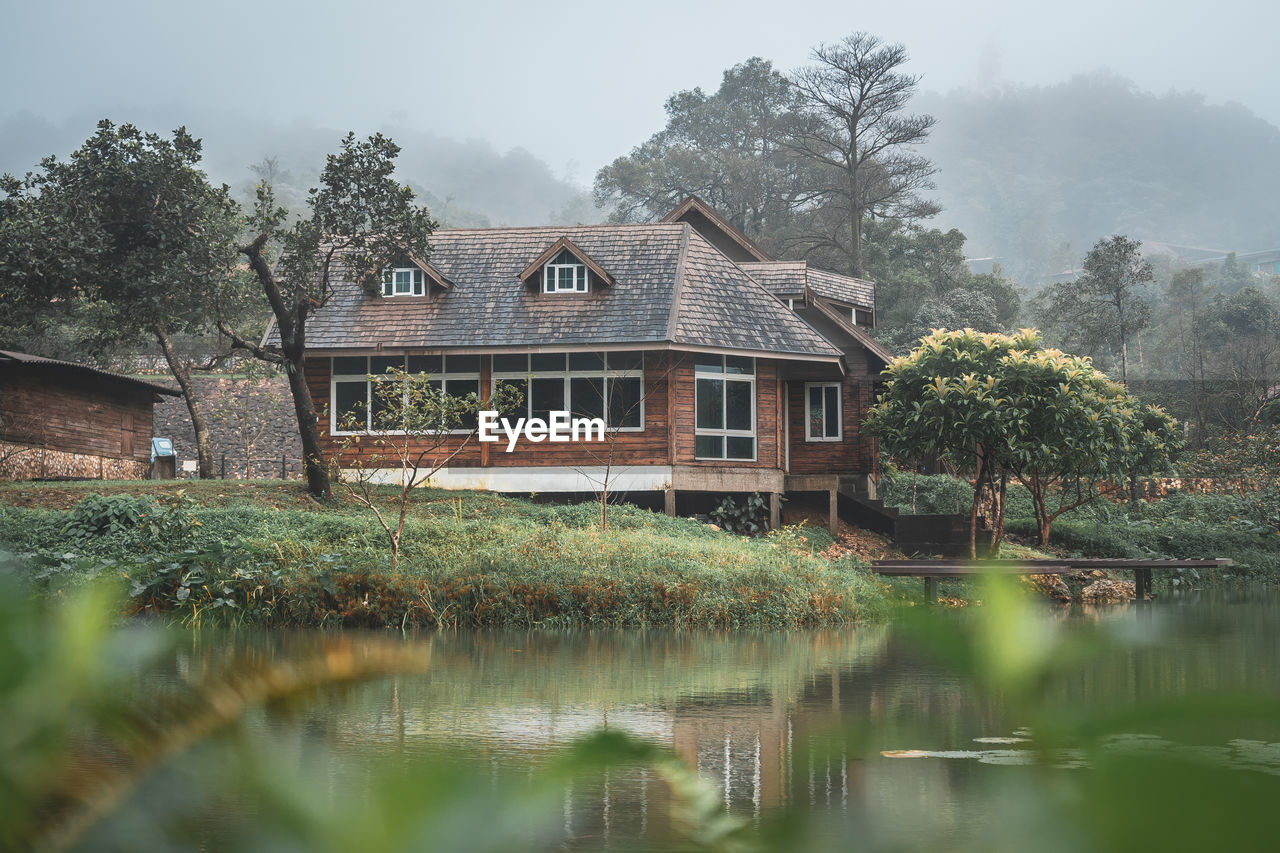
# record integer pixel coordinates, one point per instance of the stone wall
(239, 412)
(24, 462)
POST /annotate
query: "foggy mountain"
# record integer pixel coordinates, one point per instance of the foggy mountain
(464, 183)
(1035, 175)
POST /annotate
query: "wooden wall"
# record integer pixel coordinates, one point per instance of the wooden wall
(857, 453)
(669, 399)
(647, 447)
(67, 411)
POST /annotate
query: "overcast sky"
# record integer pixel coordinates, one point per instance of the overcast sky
(577, 82)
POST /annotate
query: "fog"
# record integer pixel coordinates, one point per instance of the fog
(506, 110)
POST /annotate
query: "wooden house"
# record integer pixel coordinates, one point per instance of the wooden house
(718, 369)
(59, 419)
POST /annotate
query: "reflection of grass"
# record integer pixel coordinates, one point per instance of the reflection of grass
(474, 675)
(87, 756)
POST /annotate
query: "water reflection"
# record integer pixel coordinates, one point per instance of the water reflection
(817, 720)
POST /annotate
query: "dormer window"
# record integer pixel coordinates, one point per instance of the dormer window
(411, 277)
(403, 281)
(564, 274)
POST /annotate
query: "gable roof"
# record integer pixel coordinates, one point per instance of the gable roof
(842, 320)
(436, 277)
(556, 248)
(785, 278)
(672, 288)
(716, 230)
(8, 357)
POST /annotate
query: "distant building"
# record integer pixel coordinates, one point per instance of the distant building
(59, 419)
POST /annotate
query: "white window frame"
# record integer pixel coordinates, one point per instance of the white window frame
(444, 377)
(723, 376)
(567, 374)
(554, 276)
(417, 282)
(808, 421)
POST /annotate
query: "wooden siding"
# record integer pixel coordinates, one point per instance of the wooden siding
(768, 426)
(669, 402)
(646, 447)
(76, 414)
(855, 453)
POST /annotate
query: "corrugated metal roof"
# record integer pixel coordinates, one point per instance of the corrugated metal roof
(27, 358)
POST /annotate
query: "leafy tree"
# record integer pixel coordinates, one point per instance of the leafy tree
(853, 127)
(360, 219)
(126, 240)
(1074, 434)
(1104, 307)
(942, 400)
(728, 148)
(1002, 407)
(957, 309)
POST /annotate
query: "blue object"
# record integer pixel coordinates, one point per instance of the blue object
(161, 447)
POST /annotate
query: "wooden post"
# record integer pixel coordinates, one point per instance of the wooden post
(669, 502)
(833, 518)
(930, 590)
(1142, 585)
(775, 510)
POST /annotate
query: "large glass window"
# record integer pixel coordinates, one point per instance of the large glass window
(358, 405)
(822, 407)
(586, 384)
(564, 274)
(724, 407)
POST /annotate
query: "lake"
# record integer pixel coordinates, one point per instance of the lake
(876, 736)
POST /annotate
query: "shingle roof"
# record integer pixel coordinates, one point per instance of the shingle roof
(671, 287)
(784, 277)
(10, 357)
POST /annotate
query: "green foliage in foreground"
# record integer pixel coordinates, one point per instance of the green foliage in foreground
(466, 560)
(191, 767)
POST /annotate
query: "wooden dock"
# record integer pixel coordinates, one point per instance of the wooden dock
(931, 570)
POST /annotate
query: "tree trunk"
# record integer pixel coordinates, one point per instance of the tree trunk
(182, 372)
(978, 478)
(313, 463)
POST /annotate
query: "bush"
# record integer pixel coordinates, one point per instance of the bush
(747, 519)
(930, 493)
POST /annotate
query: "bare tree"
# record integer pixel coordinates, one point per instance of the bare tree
(854, 130)
(410, 431)
(604, 473)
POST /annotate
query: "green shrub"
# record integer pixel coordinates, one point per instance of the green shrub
(929, 493)
(746, 518)
(106, 515)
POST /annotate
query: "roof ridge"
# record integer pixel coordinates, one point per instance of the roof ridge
(677, 287)
(557, 228)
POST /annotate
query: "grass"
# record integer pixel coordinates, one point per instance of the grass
(264, 552)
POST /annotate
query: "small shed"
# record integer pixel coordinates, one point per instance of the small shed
(62, 419)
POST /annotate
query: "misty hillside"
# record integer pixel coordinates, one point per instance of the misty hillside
(1036, 175)
(464, 183)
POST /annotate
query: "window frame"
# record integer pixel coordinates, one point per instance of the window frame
(605, 373)
(553, 271)
(444, 376)
(417, 281)
(701, 373)
(808, 421)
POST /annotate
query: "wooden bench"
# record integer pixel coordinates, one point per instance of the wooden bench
(931, 570)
